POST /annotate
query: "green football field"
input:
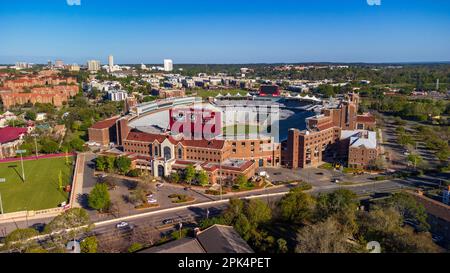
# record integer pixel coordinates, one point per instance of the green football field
(40, 190)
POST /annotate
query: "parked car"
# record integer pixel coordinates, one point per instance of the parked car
(159, 185)
(122, 225)
(152, 201)
(335, 180)
(168, 221)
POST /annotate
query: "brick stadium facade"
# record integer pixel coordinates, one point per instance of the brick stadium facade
(163, 152)
(322, 138)
(42, 88)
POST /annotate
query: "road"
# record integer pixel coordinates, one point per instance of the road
(154, 229)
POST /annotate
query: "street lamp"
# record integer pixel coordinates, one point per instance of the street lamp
(21, 152)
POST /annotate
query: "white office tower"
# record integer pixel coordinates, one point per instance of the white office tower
(117, 95)
(93, 65)
(111, 62)
(168, 65)
(59, 64)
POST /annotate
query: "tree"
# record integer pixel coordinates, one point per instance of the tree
(135, 247)
(19, 238)
(76, 144)
(409, 209)
(297, 207)
(324, 237)
(99, 197)
(71, 218)
(49, 146)
(175, 177)
(385, 225)
(100, 163)
(189, 174)
(282, 246)
(202, 178)
(123, 164)
(89, 245)
(36, 249)
(243, 226)
(30, 115)
(138, 196)
(110, 163)
(241, 180)
(415, 159)
(443, 155)
(257, 212)
(341, 204)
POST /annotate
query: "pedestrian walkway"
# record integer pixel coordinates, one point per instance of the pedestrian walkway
(77, 187)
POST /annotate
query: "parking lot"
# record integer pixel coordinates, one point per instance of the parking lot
(313, 176)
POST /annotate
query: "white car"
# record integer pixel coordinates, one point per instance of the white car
(152, 201)
(122, 225)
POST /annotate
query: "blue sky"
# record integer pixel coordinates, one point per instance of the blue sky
(225, 31)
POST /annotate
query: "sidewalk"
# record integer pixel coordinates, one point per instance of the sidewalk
(77, 187)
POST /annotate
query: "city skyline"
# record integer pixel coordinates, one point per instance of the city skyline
(226, 32)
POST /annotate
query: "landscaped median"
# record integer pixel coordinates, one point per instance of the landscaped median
(181, 198)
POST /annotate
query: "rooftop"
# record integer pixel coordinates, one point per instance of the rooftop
(360, 138)
(215, 239)
(9, 134)
(105, 124)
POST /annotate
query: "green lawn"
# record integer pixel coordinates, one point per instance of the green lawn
(41, 187)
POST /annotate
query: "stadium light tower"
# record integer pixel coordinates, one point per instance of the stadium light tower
(2, 180)
(21, 152)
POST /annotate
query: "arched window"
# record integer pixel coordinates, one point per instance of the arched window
(167, 153)
(156, 151)
(180, 153)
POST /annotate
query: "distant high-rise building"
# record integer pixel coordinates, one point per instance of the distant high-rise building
(59, 64)
(22, 65)
(111, 62)
(73, 67)
(93, 65)
(168, 65)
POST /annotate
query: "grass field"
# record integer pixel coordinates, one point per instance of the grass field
(41, 187)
